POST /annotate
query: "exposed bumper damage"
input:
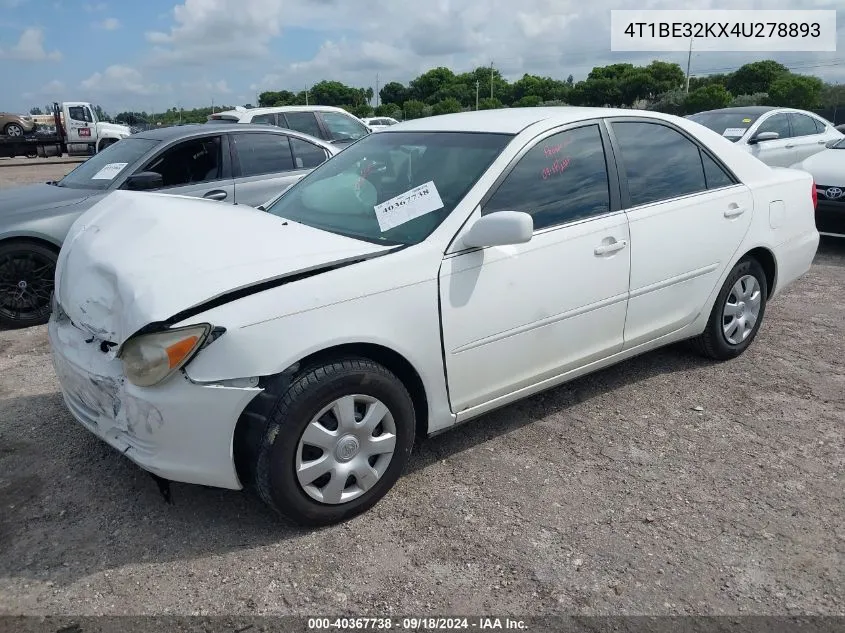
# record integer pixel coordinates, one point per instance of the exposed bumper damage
(157, 428)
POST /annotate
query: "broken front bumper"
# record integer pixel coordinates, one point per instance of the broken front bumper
(178, 430)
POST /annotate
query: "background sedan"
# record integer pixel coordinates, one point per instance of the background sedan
(235, 163)
(828, 171)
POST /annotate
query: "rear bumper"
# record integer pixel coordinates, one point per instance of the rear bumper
(830, 217)
(179, 430)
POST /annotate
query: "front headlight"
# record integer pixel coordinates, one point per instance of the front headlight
(150, 358)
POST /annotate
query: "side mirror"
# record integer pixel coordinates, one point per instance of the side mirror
(763, 136)
(144, 181)
(500, 229)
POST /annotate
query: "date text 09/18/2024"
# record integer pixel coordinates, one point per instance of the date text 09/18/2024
(416, 623)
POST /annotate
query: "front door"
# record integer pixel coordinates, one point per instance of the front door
(198, 167)
(686, 223)
(514, 316)
(79, 124)
(779, 152)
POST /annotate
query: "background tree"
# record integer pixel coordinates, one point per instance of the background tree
(754, 77)
(447, 106)
(796, 91)
(709, 97)
(393, 93)
(413, 109)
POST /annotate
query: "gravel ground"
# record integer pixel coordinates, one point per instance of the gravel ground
(22, 171)
(664, 485)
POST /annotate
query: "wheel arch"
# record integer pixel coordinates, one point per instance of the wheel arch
(34, 239)
(252, 422)
(767, 260)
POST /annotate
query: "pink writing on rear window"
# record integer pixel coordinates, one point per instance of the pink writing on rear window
(557, 167)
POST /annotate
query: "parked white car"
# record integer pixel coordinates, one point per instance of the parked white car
(828, 170)
(331, 124)
(416, 280)
(379, 122)
(780, 137)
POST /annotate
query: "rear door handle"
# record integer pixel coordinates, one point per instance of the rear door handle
(607, 249)
(734, 212)
(217, 194)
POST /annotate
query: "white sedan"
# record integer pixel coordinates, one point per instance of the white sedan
(828, 170)
(422, 277)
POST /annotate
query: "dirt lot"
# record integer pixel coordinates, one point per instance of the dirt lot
(665, 485)
(21, 171)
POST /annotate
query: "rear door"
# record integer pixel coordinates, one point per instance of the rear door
(265, 165)
(198, 167)
(806, 136)
(779, 152)
(305, 122)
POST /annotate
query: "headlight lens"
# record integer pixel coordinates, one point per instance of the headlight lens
(150, 358)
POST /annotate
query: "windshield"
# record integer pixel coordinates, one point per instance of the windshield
(731, 125)
(391, 188)
(840, 144)
(99, 171)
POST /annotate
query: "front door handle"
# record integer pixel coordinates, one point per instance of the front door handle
(822, 142)
(789, 146)
(217, 194)
(607, 249)
(734, 212)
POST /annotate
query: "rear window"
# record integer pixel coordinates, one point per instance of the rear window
(731, 125)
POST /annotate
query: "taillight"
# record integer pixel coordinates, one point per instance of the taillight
(815, 195)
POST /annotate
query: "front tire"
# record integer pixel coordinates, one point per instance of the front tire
(737, 312)
(336, 441)
(14, 130)
(27, 272)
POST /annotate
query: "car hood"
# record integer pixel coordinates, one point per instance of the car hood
(827, 167)
(136, 259)
(34, 198)
(115, 128)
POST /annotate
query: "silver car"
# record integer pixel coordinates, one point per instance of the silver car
(232, 163)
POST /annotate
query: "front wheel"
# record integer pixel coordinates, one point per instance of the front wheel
(13, 130)
(737, 313)
(335, 443)
(27, 272)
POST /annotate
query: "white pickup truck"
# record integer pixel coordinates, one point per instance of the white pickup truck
(84, 133)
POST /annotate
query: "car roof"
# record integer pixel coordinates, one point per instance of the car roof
(512, 120)
(274, 109)
(758, 110)
(200, 129)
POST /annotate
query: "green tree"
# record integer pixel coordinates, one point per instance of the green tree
(413, 109)
(424, 87)
(707, 98)
(796, 91)
(489, 104)
(447, 106)
(670, 102)
(755, 77)
(637, 84)
(667, 76)
(394, 93)
(757, 99)
(370, 93)
(275, 98)
(334, 93)
(389, 109)
(597, 92)
(35, 111)
(612, 72)
(528, 101)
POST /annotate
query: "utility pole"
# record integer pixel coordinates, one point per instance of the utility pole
(212, 106)
(491, 79)
(306, 94)
(376, 89)
(689, 62)
(477, 86)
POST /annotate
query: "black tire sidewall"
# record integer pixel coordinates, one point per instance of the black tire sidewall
(748, 266)
(43, 251)
(284, 487)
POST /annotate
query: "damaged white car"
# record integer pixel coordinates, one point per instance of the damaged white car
(422, 277)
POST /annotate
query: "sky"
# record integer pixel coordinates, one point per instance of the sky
(157, 54)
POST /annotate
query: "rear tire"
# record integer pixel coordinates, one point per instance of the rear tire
(335, 442)
(737, 313)
(14, 130)
(27, 274)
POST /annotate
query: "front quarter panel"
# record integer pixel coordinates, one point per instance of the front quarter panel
(391, 301)
(51, 226)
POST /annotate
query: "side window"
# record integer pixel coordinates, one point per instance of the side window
(820, 127)
(343, 127)
(802, 125)
(306, 155)
(197, 160)
(660, 163)
(304, 122)
(77, 113)
(562, 178)
(269, 119)
(776, 123)
(713, 173)
(263, 153)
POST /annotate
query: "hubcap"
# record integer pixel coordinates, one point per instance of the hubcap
(26, 283)
(742, 309)
(14, 130)
(345, 449)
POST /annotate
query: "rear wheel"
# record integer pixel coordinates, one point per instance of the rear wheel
(335, 442)
(13, 129)
(737, 313)
(27, 272)
(105, 143)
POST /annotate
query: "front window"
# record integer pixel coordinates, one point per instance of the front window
(731, 125)
(391, 188)
(99, 171)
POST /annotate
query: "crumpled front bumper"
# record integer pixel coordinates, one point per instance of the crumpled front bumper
(178, 430)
